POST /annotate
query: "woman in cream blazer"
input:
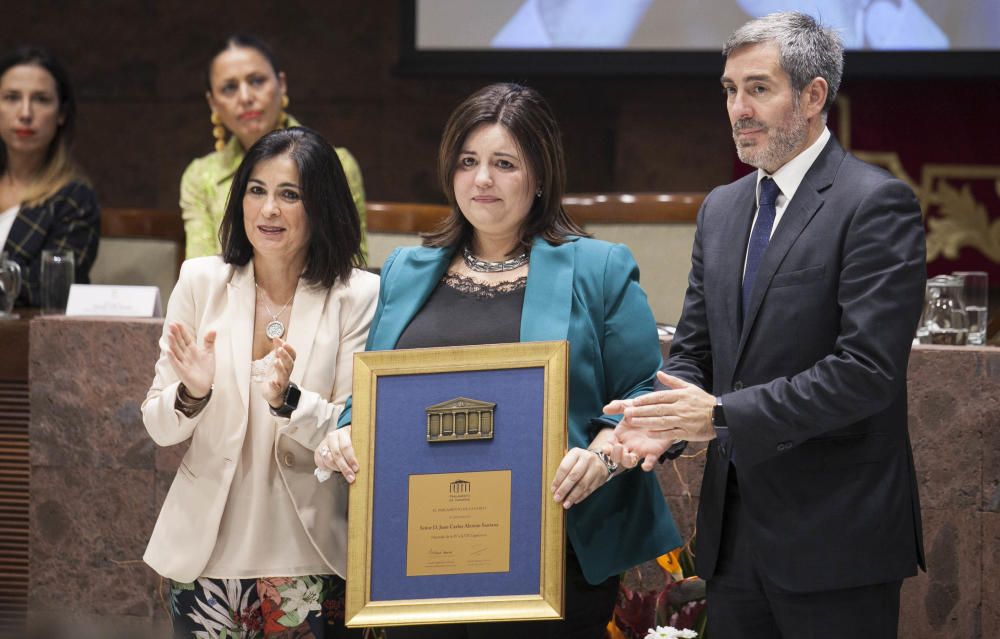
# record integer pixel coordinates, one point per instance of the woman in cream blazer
(246, 530)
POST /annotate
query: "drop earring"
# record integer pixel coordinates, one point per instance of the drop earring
(218, 132)
(284, 116)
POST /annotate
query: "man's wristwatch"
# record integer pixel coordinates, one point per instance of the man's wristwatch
(608, 463)
(718, 414)
(290, 403)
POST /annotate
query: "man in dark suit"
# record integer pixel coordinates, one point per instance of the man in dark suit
(790, 357)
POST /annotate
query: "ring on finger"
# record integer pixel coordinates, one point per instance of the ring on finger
(324, 452)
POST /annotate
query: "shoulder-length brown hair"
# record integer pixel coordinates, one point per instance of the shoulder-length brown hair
(526, 116)
(334, 247)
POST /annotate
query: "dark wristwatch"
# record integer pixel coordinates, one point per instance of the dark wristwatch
(290, 403)
(718, 414)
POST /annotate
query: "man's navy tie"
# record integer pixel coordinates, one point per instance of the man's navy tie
(759, 237)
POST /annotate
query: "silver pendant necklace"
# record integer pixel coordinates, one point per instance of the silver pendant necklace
(274, 328)
(482, 266)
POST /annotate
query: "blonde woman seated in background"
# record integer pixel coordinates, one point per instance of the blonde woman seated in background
(45, 203)
(255, 367)
(247, 94)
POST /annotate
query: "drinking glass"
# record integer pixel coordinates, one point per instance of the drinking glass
(58, 272)
(10, 286)
(976, 295)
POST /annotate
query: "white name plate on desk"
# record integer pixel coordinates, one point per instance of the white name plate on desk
(117, 301)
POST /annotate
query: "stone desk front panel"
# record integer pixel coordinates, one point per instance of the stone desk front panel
(97, 481)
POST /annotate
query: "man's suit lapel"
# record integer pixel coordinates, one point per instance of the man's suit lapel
(548, 295)
(419, 275)
(800, 211)
(240, 313)
(738, 227)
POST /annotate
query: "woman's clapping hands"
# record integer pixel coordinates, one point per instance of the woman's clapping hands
(284, 360)
(194, 363)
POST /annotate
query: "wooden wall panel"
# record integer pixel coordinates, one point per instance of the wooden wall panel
(14, 471)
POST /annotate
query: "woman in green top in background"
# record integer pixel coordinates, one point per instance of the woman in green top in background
(247, 94)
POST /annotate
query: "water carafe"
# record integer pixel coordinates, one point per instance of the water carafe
(944, 320)
(10, 285)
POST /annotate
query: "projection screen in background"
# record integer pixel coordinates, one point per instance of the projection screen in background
(958, 37)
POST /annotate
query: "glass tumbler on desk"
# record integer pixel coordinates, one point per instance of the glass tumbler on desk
(10, 285)
(976, 296)
(944, 320)
(58, 272)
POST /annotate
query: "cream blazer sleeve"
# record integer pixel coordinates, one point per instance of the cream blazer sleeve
(166, 425)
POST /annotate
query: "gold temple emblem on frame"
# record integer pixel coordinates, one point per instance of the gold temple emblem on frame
(460, 419)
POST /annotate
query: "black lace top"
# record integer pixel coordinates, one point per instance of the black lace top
(462, 312)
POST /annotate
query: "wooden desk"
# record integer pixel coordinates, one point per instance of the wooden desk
(15, 416)
(14, 346)
(98, 481)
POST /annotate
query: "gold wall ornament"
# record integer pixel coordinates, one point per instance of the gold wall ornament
(460, 419)
(955, 218)
(891, 163)
(843, 104)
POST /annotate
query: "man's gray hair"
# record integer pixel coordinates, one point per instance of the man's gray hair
(806, 49)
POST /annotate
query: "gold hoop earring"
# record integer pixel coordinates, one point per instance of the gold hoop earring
(218, 132)
(284, 116)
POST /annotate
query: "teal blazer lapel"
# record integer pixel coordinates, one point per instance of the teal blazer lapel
(548, 296)
(420, 270)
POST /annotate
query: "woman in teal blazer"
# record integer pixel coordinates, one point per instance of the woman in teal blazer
(510, 265)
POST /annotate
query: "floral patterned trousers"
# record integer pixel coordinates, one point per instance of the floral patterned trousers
(274, 607)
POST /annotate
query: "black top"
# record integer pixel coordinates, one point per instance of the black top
(463, 312)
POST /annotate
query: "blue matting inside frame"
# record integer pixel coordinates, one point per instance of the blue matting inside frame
(402, 449)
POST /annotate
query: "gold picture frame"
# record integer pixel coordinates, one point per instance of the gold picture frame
(529, 380)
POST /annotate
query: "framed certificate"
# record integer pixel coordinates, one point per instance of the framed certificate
(451, 518)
